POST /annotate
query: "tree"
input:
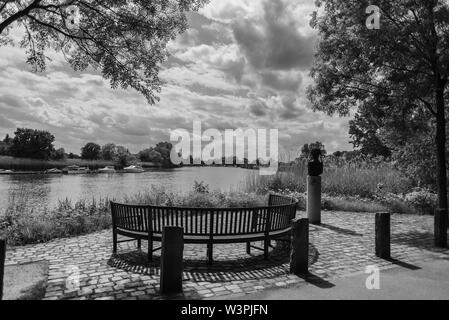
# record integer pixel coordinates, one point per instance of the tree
(160, 154)
(73, 156)
(91, 151)
(30, 143)
(109, 151)
(150, 155)
(338, 154)
(164, 149)
(305, 151)
(5, 146)
(308, 147)
(8, 139)
(365, 131)
(124, 157)
(125, 39)
(58, 154)
(403, 68)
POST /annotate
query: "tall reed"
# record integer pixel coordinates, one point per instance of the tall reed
(362, 178)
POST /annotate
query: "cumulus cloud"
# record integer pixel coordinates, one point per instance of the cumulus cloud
(258, 108)
(242, 63)
(275, 42)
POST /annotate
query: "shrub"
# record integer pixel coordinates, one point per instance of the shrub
(22, 225)
(422, 200)
(197, 198)
(200, 187)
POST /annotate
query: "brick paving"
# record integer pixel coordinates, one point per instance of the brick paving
(84, 268)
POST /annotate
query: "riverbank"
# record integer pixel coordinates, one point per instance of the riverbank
(20, 165)
(22, 224)
(35, 166)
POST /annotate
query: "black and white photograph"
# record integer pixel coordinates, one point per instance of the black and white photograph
(224, 155)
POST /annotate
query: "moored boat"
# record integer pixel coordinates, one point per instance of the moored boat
(76, 170)
(134, 169)
(107, 169)
(53, 171)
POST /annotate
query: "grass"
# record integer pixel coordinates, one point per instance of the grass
(22, 225)
(352, 205)
(197, 198)
(362, 185)
(25, 164)
(348, 179)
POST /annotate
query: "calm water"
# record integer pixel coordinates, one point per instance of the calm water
(46, 190)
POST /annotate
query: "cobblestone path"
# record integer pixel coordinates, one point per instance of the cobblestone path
(84, 268)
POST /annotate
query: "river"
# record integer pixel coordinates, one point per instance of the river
(43, 191)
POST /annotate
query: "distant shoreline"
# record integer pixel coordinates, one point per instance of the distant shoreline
(37, 166)
(28, 165)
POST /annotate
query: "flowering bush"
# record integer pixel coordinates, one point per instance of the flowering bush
(422, 200)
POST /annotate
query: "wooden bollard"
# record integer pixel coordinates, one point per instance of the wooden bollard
(2, 264)
(299, 257)
(171, 260)
(441, 223)
(383, 247)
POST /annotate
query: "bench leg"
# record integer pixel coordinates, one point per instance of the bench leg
(114, 241)
(266, 246)
(210, 252)
(248, 247)
(139, 244)
(150, 250)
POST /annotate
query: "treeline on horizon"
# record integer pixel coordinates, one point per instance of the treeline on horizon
(38, 145)
(34, 145)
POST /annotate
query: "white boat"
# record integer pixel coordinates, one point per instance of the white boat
(53, 171)
(107, 169)
(134, 169)
(76, 170)
(2, 171)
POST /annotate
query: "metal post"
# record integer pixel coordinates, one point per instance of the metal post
(171, 260)
(383, 235)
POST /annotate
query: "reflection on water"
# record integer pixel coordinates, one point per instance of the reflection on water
(45, 190)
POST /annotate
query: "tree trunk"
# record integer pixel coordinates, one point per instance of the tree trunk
(440, 139)
(441, 151)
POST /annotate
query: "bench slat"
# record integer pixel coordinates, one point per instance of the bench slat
(200, 221)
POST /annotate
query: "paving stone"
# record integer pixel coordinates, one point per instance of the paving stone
(341, 246)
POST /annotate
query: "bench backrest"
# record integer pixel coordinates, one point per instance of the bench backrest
(278, 200)
(205, 221)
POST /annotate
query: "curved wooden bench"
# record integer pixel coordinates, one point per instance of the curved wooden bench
(205, 225)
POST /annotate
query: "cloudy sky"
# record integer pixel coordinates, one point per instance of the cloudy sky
(242, 64)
